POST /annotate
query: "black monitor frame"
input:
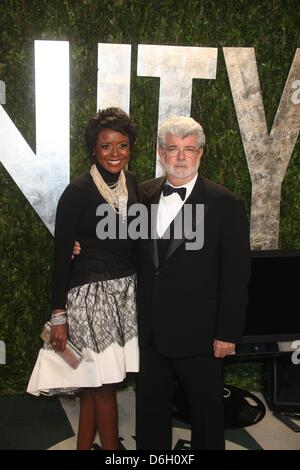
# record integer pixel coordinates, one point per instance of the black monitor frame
(273, 336)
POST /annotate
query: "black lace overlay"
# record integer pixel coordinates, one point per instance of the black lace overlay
(102, 313)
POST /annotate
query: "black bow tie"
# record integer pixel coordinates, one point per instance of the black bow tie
(168, 190)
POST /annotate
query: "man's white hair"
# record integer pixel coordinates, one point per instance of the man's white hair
(180, 126)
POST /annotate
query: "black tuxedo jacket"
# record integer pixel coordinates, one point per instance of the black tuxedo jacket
(192, 297)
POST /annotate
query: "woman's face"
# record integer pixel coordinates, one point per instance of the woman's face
(112, 150)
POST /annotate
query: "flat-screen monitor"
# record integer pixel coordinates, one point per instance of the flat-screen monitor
(273, 311)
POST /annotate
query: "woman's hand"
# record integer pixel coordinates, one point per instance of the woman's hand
(59, 335)
(76, 249)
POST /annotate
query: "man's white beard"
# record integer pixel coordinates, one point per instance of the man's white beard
(180, 173)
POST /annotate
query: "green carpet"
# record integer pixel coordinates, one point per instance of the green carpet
(34, 423)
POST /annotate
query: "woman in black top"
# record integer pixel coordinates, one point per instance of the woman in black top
(94, 294)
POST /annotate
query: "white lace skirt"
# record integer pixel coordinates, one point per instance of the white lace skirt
(102, 324)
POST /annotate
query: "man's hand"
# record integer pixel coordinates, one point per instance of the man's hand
(76, 249)
(223, 349)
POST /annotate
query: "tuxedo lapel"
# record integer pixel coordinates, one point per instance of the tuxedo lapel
(197, 196)
(152, 200)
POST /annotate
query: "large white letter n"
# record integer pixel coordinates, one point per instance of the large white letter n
(42, 177)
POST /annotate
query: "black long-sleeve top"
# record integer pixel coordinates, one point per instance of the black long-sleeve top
(76, 220)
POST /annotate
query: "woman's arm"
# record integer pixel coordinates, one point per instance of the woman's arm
(66, 225)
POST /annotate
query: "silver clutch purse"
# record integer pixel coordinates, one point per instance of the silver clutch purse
(70, 354)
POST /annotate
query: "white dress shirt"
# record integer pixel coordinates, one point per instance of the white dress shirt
(169, 206)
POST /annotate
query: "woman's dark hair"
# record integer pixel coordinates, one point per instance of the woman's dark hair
(109, 118)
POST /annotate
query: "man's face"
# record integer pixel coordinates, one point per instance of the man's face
(180, 158)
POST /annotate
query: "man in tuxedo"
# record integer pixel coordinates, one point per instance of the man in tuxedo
(191, 302)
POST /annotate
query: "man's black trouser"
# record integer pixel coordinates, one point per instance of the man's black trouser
(201, 380)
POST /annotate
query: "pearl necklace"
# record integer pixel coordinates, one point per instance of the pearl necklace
(116, 195)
